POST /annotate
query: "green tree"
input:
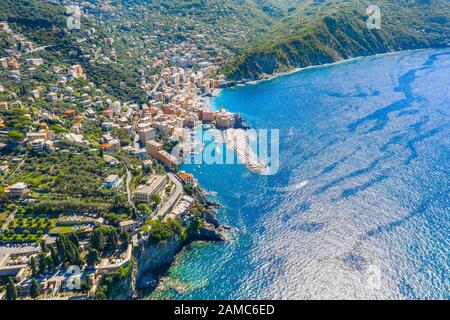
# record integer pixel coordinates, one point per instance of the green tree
(125, 238)
(68, 250)
(188, 189)
(35, 289)
(61, 247)
(42, 264)
(33, 266)
(15, 136)
(113, 240)
(74, 238)
(155, 200)
(73, 255)
(50, 263)
(192, 228)
(160, 230)
(98, 240)
(100, 294)
(93, 257)
(144, 209)
(44, 247)
(11, 291)
(54, 256)
(86, 285)
(3, 197)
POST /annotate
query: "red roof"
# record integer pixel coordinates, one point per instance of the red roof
(186, 176)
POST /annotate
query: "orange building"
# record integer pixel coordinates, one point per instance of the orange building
(108, 112)
(167, 159)
(77, 71)
(110, 147)
(70, 113)
(188, 179)
(13, 64)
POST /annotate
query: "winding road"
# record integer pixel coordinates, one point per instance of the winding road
(169, 204)
(18, 167)
(128, 181)
(9, 220)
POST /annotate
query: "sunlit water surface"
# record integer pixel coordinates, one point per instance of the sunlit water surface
(360, 207)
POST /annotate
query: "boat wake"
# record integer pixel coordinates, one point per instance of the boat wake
(294, 187)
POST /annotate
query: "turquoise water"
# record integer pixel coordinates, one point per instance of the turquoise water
(360, 207)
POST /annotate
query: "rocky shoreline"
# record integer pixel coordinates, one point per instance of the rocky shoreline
(152, 260)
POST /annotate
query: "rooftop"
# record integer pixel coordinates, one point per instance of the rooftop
(152, 184)
(19, 185)
(127, 223)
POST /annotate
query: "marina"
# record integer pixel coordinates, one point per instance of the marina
(239, 141)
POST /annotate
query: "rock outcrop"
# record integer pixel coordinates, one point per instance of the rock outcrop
(153, 260)
(125, 288)
(209, 232)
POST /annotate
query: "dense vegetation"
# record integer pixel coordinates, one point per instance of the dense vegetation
(29, 229)
(254, 14)
(270, 35)
(45, 24)
(42, 21)
(320, 32)
(110, 285)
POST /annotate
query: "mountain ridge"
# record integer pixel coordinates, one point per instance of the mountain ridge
(338, 31)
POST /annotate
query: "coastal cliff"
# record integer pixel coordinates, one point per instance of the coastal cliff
(154, 259)
(339, 32)
(124, 288)
(151, 260)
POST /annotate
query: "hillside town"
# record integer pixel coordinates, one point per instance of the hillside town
(66, 229)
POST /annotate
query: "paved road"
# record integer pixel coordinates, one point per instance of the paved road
(158, 83)
(4, 250)
(173, 198)
(18, 166)
(128, 181)
(9, 220)
(51, 46)
(40, 48)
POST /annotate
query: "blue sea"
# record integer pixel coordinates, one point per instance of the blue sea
(360, 207)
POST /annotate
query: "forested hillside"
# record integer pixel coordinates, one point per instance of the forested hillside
(263, 36)
(318, 32)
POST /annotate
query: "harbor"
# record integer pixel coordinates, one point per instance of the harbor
(240, 142)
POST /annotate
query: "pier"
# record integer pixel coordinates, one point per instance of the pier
(238, 140)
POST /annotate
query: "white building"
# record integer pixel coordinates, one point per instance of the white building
(17, 190)
(146, 134)
(112, 181)
(154, 185)
(128, 225)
